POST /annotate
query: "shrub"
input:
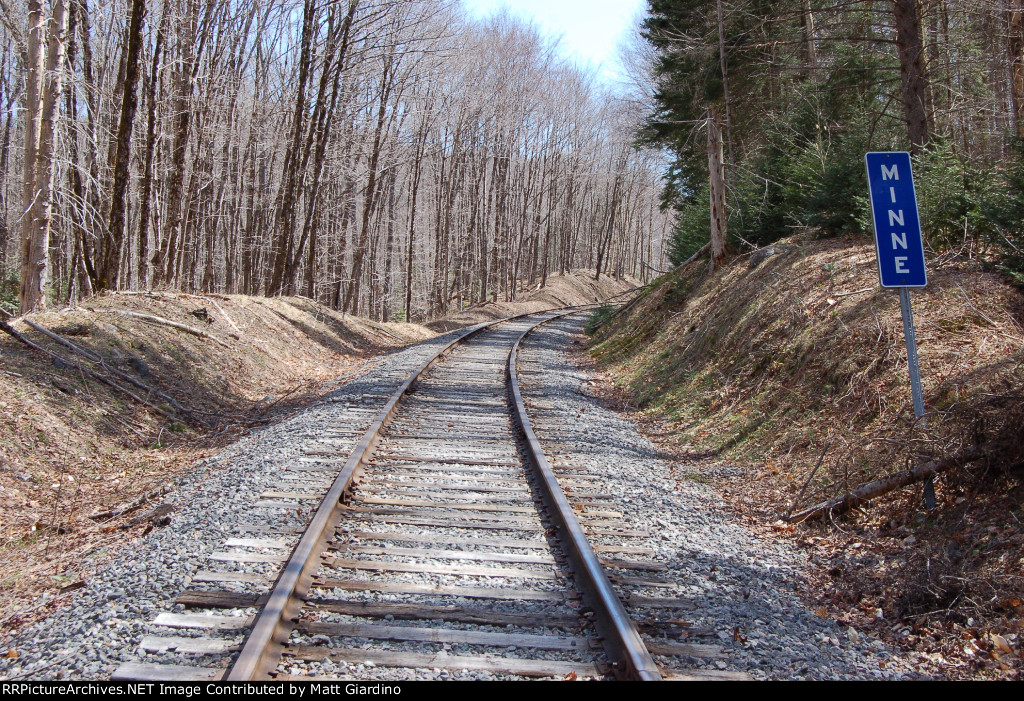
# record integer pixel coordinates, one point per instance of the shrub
(9, 289)
(693, 228)
(1004, 210)
(598, 317)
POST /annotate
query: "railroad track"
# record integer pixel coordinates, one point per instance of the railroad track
(444, 542)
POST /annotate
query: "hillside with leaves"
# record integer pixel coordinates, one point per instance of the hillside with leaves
(782, 379)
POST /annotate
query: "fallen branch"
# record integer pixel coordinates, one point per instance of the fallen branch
(704, 249)
(132, 505)
(282, 398)
(6, 328)
(381, 331)
(225, 315)
(160, 321)
(808, 481)
(94, 357)
(165, 295)
(625, 307)
(154, 518)
(865, 493)
(855, 292)
(101, 361)
(657, 270)
(631, 290)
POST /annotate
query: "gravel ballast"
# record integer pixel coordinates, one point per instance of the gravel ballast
(103, 625)
(736, 590)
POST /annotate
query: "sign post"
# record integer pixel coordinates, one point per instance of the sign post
(900, 248)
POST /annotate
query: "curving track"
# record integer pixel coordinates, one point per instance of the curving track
(443, 542)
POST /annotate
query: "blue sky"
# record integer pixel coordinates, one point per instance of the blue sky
(591, 29)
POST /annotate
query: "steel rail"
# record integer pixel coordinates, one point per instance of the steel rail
(262, 649)
(619, 635)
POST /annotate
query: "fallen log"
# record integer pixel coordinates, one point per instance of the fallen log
(704, 249)
(101, 361)
(84, 352)
(66, 362)
(155, 518)
(865, 493)
(160, 321)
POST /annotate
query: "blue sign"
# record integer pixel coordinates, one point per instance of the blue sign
(897, 224)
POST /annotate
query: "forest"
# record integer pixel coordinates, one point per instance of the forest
(400, 159)
(391, 158)
(767, 110)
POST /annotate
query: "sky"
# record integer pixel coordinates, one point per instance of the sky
(591, 29)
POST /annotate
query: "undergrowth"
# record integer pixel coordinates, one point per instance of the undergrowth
(8, 292)
(598, 317)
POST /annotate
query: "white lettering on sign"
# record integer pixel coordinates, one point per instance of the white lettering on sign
(895, 217)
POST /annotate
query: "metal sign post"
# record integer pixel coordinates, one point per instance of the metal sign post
(900, 248)
(915, 370)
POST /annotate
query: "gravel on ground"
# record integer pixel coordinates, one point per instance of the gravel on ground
(105, 622)
(737, 590)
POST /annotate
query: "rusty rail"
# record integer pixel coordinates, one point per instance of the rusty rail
(265, 642)
(619, 635)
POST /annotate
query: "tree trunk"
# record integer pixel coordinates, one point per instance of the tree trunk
(113, 239)
(723, 66)
(147, 174)
(36, 247)
(912, 72)
(389, 247)
(81, 257)
(165, 257)
(412, 224)
(89, 191)
(323, 119)
(808, 44)
(31, 285)
(716, 167)
(1015, 45)
(5, 150)
(289, 189)
(352, 298)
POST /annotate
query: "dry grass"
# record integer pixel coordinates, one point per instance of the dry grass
(71, 447)
(802, 359)
(576, 288)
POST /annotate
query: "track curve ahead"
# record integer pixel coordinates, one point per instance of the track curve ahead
(442, 530)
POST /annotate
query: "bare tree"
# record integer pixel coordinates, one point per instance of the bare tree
(389, 158)
(109, 262)
(43, 94)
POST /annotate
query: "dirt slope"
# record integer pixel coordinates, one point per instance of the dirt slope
(575, 288)
(757, 373)
(71, 447)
